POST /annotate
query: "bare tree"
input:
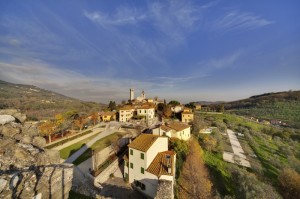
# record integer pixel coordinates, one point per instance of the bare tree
(194, 179)
(80, 122)
(95, 117)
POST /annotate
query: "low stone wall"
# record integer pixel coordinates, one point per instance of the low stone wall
(104, 175)
(102, 155)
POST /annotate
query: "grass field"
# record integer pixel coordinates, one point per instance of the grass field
(99, 145)
(273, 152)
(219, 173)
(68, 151)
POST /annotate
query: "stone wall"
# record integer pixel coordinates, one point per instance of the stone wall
(102, 155)
(26, 168)
(104, 175)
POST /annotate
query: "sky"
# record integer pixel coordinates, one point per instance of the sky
(177, 50)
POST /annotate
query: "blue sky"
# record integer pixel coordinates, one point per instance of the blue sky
(183, 50)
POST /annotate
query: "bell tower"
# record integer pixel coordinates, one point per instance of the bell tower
(131, 94)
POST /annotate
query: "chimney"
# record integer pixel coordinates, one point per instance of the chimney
(168, 157)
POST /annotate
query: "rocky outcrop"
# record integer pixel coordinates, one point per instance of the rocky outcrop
(20, 117)
(26, 168)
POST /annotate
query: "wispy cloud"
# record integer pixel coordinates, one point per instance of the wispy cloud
(174, 19)
(70, 83)
(212, 65)
(225, 61)
(235, 20)
(122, 16)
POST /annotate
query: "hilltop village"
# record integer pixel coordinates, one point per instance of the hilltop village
(145, 148)
(137, 135)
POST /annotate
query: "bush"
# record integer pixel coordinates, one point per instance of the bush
(248, 186)
(289, 181)
(66, 140)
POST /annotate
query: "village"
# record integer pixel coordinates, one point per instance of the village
(139, 155)
(138, 158)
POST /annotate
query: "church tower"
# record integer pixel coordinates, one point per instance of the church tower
(131, 94)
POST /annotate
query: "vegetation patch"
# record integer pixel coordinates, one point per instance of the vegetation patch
(68, 151)
(98, 146)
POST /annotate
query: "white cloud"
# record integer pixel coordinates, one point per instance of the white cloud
(73, 84)
(234, 20)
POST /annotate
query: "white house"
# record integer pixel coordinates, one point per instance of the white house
(177, 108)
(175, 130)
(148, 162)
(147, 110)
(126, 113)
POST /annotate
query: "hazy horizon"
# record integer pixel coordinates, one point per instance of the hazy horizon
(182, 50)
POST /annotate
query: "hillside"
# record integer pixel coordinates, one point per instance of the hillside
(284, 106)
(38, 103)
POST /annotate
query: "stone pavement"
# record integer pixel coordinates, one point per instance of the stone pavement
(238, 155)
(116, 187)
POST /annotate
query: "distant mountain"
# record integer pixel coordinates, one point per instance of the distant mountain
(209, 102)
(284, 106)
(38, 103)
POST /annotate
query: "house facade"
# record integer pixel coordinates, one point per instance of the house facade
(141, 110)
(187, 115)
(126, 113)
(146, 110)
(177, 109)
(148, 162)
(177, 130)
(198, 107)
(108, 116)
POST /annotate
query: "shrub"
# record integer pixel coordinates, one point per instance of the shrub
(289, 181)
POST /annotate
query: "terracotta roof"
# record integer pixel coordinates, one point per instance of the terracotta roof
(126, 107)
(178, 126)
(108, 113)
(143, 142)
(186, 109)
(161, 162)
(165, 128)
(147, 106)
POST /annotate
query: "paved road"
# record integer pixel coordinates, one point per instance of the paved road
(110, 129)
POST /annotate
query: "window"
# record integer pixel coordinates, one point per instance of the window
(127, 164)
(131, 152)
(145, 111)
(142, 156)
(131, 165)
(142, 170)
